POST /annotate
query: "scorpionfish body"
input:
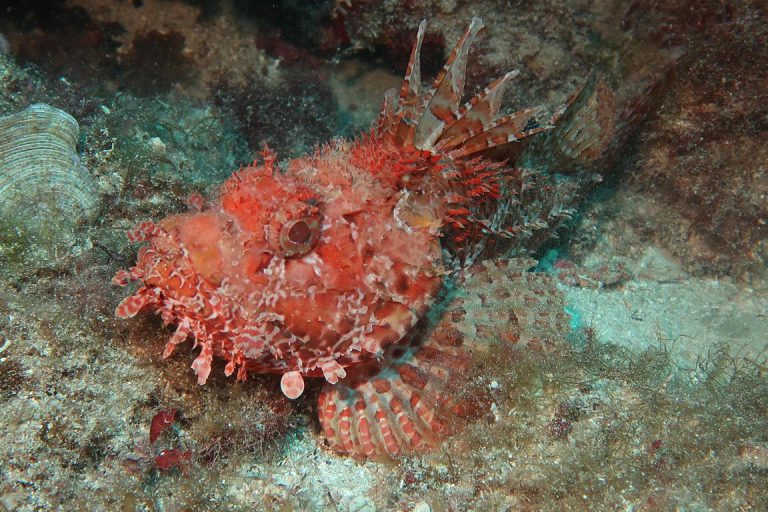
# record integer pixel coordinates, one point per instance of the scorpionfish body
(324, 267)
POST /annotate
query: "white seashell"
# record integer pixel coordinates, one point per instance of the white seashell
(41, 177)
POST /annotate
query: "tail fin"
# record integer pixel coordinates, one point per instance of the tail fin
(430, 385)
(434, 122)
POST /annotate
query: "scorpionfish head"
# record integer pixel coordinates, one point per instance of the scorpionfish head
(303, 274)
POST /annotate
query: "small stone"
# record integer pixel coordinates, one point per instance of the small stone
(494, 384)
(157, 145)
(756, 456)
(422, 506)
(495, 411)
(362, 504)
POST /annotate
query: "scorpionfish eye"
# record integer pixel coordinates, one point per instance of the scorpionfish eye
(298, 236)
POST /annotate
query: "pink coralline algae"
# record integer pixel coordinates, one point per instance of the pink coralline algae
(330, 268)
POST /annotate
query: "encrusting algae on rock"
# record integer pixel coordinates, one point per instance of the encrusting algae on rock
(335, 267)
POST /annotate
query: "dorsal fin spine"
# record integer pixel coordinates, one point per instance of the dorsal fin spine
(442, 101)
(410, 93)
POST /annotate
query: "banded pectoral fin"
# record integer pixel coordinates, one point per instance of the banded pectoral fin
(432, 383)
(392, 407)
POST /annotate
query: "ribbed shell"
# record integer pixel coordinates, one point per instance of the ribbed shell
(39, 167)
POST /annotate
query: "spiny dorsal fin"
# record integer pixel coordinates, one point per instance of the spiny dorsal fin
(476, 115)
(442, 101)
(434, 121)
(508, 129)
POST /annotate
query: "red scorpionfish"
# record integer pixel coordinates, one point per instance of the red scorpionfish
(326, 269)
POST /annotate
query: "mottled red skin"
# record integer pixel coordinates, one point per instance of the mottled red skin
(228, 275)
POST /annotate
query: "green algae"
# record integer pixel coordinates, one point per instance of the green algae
(639, 432)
